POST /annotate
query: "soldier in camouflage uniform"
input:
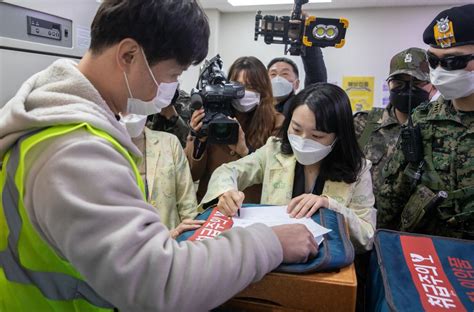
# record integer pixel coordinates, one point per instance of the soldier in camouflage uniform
(377, 131)
(436, 195)
(175, 117)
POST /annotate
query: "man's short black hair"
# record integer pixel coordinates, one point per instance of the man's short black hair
(166, 29)
(285, 60)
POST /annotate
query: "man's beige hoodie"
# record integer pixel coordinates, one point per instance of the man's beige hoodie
(82, 197)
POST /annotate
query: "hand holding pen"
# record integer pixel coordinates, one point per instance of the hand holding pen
(236, 185)
(230, 202)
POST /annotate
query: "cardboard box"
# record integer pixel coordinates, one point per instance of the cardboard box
(291, 292)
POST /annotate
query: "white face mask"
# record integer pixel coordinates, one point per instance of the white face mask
(281, 87)
(164, 95)
(452, 84)
(308, 151)
(134, 124)
(248, 102)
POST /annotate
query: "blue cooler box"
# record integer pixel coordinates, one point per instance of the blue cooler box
(412, 272)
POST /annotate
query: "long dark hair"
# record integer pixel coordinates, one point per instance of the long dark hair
(263, 118)
(333, 114)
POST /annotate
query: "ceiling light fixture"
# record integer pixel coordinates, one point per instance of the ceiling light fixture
(269, 2)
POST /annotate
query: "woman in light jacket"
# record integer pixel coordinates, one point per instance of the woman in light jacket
(315, 163)
(257, 118)
(165, 171)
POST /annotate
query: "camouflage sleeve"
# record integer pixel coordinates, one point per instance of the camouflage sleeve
(180, 126)
(360, 121)
(183, 106)
(394, 192)
(181, 130)
(421, 111)
(417, 115)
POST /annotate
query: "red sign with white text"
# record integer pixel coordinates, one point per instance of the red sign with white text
(214, 226)
(435, 291)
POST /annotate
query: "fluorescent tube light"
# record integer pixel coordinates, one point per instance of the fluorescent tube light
(269, 2)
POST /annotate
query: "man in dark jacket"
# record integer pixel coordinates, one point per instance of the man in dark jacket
(284, 74)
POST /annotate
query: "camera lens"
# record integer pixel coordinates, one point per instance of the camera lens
(222, 131)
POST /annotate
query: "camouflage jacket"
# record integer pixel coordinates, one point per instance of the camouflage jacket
(180, 126)
(448, 147)
(381, 143)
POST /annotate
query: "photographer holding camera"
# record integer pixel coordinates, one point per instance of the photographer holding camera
(257, 121)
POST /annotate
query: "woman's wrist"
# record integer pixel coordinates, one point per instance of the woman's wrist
(326, 201)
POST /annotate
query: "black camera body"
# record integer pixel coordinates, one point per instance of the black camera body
(299, 32)
(215, 94)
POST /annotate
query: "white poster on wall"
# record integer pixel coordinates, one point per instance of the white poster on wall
(385, 94)
(83, 37)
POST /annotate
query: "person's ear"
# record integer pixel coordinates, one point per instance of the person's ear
(127, 52)
(296, 85)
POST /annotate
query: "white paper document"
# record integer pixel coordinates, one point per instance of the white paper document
(276, 215)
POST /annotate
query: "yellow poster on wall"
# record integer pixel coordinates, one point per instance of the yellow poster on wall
(360, 91)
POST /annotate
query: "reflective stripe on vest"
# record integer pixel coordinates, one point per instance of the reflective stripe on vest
(52, 285)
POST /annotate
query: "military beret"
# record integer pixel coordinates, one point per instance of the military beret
(451, 28)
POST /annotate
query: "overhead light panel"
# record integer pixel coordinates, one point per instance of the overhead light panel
(269, 2)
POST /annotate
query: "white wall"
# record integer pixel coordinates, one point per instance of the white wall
(189, 78)
(373, 37)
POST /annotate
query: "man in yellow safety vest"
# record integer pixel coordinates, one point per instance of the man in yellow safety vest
(75, 231)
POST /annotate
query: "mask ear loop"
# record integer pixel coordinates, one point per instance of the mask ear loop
(149, 69)
(128, 86)
(410, 92)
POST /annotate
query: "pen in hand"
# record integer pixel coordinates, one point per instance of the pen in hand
(236, 185)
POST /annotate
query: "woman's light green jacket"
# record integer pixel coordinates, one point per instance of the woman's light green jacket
(171, 188)
(276, 172)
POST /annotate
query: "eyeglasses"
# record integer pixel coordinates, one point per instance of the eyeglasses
(451, 62)
(398, 84)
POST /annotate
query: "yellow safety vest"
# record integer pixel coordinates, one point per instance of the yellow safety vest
(33, 277)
